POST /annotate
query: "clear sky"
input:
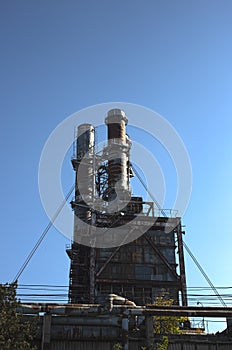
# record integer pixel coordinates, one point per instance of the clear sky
(57, 57)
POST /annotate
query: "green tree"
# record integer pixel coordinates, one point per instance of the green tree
(15, 334)
(165, 325)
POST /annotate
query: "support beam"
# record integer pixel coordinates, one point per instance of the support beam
(161, 256)
(46, 335)
(149, 331)
(92, 276)
(181, 265)
(125, 331)
(102, 268)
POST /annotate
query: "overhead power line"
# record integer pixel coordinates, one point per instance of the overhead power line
(50, 224)
(148, 191)
(204, 274)
(184, 244)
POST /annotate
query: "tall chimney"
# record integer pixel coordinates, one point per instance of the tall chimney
(118, 158)
(85, 184)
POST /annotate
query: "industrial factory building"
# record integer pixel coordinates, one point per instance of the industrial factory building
(125, 252)
(142, 269)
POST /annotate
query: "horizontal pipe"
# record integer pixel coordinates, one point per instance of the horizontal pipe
(62, 309)
(85, 309)
(88, 321)
(184, 311)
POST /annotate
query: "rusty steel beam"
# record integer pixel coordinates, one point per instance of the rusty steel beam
(162, 257)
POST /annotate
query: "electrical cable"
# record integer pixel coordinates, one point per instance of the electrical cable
(184, 244)
(50, 224)
(29, 257)
(148, 191)
(204, 274)
(67, 286)
(55, 293)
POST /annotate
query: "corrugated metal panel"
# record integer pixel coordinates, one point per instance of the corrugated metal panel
(133, 345)
(175, 346)
(197, 346)
(189, 347)
(61, 345)
(203, 347)
(213, 347)
(224, 347)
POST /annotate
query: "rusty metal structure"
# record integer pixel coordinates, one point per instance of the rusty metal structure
(101, 326)
(152, 264)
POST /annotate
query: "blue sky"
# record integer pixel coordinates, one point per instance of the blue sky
(58, 57)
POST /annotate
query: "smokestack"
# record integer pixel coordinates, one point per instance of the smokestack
(118, 157)
(85, 184)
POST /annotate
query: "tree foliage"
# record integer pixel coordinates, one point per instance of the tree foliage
(15, 334)
(165, 325)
